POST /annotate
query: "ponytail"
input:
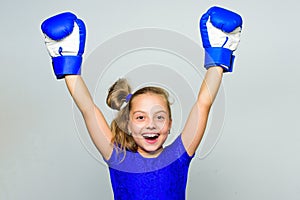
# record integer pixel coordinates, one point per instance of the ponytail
(118, 95)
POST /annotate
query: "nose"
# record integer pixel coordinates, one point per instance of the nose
(151, 125)
(150, 128)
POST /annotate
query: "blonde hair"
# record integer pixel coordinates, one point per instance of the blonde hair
(116, 97)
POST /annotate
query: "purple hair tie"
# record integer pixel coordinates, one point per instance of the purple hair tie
(128, 97)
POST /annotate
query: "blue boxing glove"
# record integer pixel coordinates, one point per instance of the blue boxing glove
(65, 36)
(220, 32)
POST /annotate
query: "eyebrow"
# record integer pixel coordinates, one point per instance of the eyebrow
(153, 113)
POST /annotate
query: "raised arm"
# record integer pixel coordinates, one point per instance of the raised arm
(95, 122)
(65, 39)
(220, 31)
(197, 120)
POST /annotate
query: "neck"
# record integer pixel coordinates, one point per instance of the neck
(150, 154)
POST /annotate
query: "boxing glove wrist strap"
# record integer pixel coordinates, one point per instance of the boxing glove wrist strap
(66, 65)
(218, 56)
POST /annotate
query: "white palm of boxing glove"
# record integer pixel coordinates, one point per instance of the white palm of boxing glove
(64, 47)
(220, 33)
(219, 38)
(65, 36)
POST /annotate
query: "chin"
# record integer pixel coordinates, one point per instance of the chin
(151, 145)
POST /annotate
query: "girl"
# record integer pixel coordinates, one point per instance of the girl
(139, 164)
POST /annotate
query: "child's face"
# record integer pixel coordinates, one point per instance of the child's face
(149, 123)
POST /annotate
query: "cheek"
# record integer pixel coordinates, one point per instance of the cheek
(134, 127)
(165, 130)
(163, 126)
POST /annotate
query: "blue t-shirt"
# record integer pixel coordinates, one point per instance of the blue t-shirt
(134, 177)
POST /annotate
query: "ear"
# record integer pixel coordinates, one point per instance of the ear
(128, 127)
(170, 124)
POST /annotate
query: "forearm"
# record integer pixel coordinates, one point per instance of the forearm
(210, 86)
(96, 124)
(197, 120)
(79, 93)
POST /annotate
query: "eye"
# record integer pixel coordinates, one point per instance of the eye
(140, 118)
(160, 117)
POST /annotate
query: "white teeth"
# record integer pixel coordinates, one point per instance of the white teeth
(150, 135)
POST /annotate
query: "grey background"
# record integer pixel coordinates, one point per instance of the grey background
(41, 156)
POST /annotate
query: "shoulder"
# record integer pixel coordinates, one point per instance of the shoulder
(177, 149)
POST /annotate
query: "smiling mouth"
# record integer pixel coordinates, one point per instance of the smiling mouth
(150, 136)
